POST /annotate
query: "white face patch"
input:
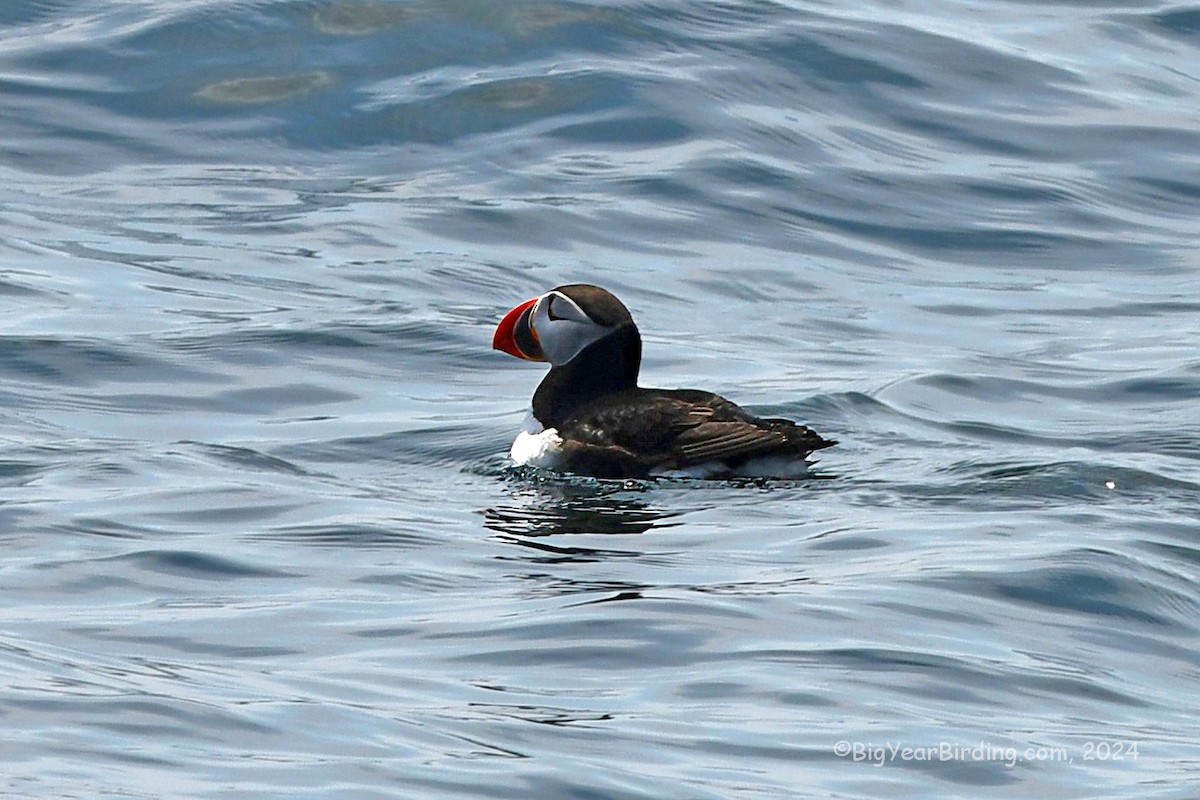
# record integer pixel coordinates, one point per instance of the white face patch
(563, 329)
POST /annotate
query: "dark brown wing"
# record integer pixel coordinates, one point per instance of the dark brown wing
(636, 432)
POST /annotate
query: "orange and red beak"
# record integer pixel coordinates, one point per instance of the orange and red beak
(516, 335)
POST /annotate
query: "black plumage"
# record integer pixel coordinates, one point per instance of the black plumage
(612, 428)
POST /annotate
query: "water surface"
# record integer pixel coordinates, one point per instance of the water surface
(260, 535)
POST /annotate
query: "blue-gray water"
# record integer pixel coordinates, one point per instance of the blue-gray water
(259, 538)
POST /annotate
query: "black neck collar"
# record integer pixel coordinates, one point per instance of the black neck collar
(603, 367)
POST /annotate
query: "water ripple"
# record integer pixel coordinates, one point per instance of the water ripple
(258, 523)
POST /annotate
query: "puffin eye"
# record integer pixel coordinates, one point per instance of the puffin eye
(561, 307)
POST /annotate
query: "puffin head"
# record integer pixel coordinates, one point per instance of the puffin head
(558, 325)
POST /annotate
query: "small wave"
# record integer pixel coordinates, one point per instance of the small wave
(196, 564)
(1090, 582)
(260, 90)
(343, 534)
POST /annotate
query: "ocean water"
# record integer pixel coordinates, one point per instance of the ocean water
(259, 534)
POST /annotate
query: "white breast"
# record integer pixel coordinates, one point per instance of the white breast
(536, 446)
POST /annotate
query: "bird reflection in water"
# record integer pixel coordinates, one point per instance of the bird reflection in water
(568, 507)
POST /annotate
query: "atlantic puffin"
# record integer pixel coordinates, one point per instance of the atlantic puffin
(590, 416)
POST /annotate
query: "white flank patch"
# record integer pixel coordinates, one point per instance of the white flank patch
(767, 467)
(774, 467)
(536, 446)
